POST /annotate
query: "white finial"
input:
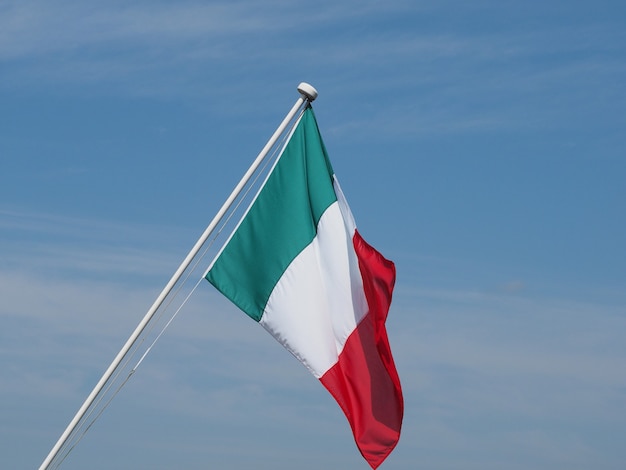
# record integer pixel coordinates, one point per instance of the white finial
(308, 91)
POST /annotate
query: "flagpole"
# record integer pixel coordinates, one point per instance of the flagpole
(307, 95)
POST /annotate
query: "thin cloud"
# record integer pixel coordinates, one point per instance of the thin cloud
(37, 28)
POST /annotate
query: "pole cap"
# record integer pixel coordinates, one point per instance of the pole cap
(307, 91)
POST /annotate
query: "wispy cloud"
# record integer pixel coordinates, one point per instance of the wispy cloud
(38, 28)
(436, 82)
(35, 28)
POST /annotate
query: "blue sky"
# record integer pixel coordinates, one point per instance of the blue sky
(481, 146)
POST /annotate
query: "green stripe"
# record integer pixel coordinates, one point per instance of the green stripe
(280, 224)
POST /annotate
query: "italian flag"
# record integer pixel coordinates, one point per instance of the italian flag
(297, 265)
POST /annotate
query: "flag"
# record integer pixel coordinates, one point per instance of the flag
(297, 265)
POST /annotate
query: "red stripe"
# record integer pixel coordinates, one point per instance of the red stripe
(364, 381)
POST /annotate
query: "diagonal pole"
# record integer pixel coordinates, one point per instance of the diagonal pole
(307, 95)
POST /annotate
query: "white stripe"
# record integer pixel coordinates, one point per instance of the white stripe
(348, 218)
(319, 300)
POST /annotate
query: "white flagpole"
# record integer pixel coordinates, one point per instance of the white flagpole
(307, 95)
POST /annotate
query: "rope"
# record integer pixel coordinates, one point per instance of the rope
(100, 405)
